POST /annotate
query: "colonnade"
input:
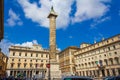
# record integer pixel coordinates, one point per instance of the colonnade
(100, 73)
(27, 73)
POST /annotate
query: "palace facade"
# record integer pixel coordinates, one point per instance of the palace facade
(99, 59)
(66, 61)
(3, 64)
(28, 61)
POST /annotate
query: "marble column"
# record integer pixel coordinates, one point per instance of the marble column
(110, 71)
(32, 73)
(105, 72)
(27, 73)
(92, 73)
(13, 73)
(96, 73)
(116, 72)
(85, 73)
(79, 73)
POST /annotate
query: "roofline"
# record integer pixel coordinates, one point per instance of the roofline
(100, 41)
(4, 54)
(85, 43)
(70, 47)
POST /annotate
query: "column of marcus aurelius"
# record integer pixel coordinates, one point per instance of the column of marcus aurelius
(54, 71)
(52, 39)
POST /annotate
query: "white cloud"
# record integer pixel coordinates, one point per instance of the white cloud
(27, 44)
(98, 21)
(4, 45)
(59, 49)
(90, 9)
(86, 9)
(13, 19)
(39, 14)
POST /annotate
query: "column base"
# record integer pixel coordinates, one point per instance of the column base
(55, 72)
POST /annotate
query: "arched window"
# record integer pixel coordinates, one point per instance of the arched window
(106, 62)
(85, 64)
(13, 53)
(111, 61)
(117, 60)
(19, 54)
(89, 64)
(25, 54)
(93, 64)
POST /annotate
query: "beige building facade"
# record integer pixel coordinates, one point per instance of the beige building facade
(28, 61)
(3, 64)
(66, 61)
(99, 59)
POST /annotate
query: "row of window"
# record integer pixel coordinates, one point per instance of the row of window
(25, 65)
(96, 73)
(100, 56)
(30, 60)
(98, 51)
(110, 61)
(104, 43)
(31, 54)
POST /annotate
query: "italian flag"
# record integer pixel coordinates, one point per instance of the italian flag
(99, 63)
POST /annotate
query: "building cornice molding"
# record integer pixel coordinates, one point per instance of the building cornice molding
(21, 50)
(95, 48)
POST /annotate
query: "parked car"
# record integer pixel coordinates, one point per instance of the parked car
(112, 78)
(108, 77)
(77, 78)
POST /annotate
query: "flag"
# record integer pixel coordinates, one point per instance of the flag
(99, 63)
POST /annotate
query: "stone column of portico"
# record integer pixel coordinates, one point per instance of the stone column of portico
(91, 72)
(32, 73)
(106, 72)
(110, 70)
(29, 74)
(85, 73)
(26, 73)
(13, 73)
(116, 72)
(96, 73)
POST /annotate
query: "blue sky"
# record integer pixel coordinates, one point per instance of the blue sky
(25, 22)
